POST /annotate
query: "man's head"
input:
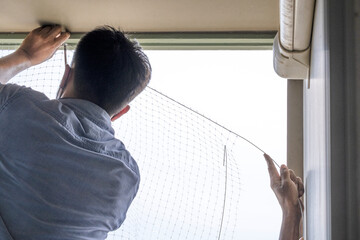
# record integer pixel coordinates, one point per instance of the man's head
(109, 69)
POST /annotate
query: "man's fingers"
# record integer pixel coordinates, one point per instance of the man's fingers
(62, 38)
(293, 176)
(297, 180)
(300, 187)
(274, 175)
(284, 173)
(45, 29)
(42, 43)
(37, 30)
(55, 30)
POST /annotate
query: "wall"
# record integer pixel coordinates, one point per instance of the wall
(316, 137)
(357, 78)
(343, 17)
(332, 123)
(295, 147)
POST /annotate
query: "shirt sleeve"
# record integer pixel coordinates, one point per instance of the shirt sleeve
(9, 91)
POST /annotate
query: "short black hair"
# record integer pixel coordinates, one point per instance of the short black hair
(109, 68)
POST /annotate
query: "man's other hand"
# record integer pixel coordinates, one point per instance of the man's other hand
(287, 187)
(42, 43)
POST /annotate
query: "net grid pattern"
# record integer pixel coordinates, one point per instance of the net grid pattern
(190, 167)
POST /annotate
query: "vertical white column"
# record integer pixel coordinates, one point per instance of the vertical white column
(317, 135)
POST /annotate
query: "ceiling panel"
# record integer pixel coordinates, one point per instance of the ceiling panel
(142, 15)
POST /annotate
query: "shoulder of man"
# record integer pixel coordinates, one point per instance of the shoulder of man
(9, 91)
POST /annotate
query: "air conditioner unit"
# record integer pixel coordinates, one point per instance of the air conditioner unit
(292, 43)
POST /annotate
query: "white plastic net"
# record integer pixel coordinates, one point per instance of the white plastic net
(191, 167)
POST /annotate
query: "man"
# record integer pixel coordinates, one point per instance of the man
(63, 175)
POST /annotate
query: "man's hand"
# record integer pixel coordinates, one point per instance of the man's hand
(37, 47)
(288, 189)
(42, 43)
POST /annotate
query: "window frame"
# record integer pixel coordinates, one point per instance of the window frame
(175, 40)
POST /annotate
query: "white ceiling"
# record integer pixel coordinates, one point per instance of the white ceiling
(142, 15)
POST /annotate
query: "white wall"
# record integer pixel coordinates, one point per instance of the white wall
(316, 116)
(332, 124)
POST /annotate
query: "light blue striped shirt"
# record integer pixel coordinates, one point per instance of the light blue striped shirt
(63, 174)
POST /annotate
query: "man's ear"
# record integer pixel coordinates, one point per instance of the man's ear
(122, 112)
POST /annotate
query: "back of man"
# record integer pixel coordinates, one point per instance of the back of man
(63, 175)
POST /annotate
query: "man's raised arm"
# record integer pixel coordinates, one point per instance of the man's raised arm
(37, 47)
(288, 189)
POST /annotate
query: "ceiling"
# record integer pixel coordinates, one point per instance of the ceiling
(142, 15)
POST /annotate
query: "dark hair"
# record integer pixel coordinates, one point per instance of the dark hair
(109, 68)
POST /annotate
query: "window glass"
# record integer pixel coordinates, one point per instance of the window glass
(199, 178)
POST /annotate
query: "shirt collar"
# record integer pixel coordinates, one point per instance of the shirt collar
(89, 110)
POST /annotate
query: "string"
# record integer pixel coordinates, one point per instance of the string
(219, 125)
(226, 176)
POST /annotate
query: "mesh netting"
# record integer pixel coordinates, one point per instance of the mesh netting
(190, 167)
